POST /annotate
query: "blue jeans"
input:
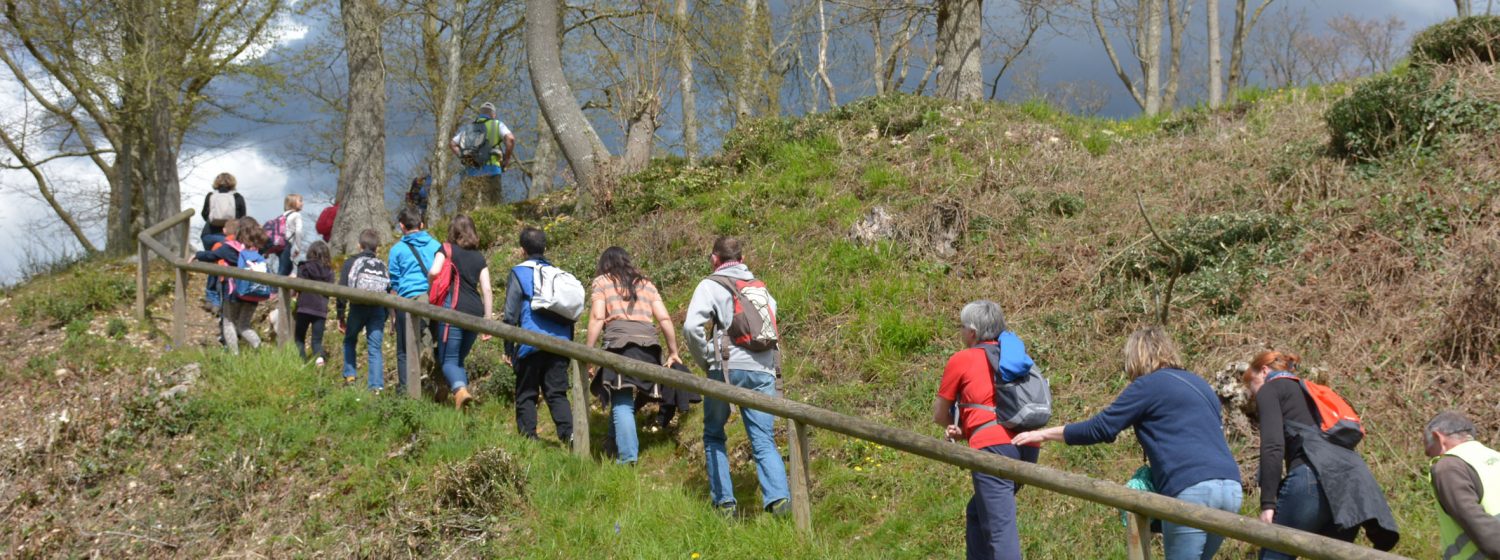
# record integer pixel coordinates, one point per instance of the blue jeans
(1187, 543)
(758, 425)
(990, 531)
(1300, 504)
(371, 320)
(622, 411)
(453, 348)
(284, 262)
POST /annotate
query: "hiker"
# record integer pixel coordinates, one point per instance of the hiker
(626, 309)
(538, 372)
(221, 206)
(470, 293)
(485, 147)
(1465, 476)
(1177, 418)
(990, 518)
(312, 308)
(324, 225)
(417, 195)
(364, 271)
(288, 248)
(410, 260)
(239, 303)
(1289, 435)
(716, 300)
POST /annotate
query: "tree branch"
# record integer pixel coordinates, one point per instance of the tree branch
(41, 184)
(1114, 59)
(1165, 303)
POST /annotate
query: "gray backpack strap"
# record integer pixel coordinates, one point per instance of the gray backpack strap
(991, 409)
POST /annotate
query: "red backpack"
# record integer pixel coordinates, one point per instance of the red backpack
(444, 289)
(753, 326)
(1338, 421)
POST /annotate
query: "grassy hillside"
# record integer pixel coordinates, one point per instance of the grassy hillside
(872, 224)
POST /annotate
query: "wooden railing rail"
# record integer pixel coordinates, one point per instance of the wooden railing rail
(802, 415)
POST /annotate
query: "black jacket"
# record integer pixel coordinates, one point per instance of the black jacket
(309, 303)
(1353, 495)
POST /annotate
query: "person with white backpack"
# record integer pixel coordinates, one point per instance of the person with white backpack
(543, 298)
(222, 206)
(364, 271)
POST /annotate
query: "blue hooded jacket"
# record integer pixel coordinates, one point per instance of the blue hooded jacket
(407, 278)
(1013, 362)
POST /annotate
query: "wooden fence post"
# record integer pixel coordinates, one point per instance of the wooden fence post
(1137, 536)
(140, 282)
(801, 478)
(413, 356)
(179, 308)
(578, 397)
(283, 316)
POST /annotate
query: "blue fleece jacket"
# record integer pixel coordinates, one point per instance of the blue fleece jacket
(1176, 417)
(407, 277)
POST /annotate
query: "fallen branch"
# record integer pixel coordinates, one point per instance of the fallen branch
(1164, 304)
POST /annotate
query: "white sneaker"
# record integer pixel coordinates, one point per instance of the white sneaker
(318, 362)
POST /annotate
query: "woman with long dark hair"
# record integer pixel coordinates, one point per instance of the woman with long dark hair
(626, 311)
(472, 282)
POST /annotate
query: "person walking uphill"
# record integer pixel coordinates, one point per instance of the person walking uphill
(1466, 478)
(744, 352)
(364, 271)
(468, 286)
(485, 147)
(221, 206)
(991, 532)
(312, 308)
(626, 310)
(410, 260)
(240, 297)
(1290, 426)
(534, 286)
(1177, 418)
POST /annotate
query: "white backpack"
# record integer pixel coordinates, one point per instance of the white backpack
(221, 207)
(555, 291)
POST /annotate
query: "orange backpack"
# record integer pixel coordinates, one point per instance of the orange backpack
(1338, 421)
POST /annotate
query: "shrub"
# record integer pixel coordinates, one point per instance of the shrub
(74, 295)
(1395, 112)
(1468, 39)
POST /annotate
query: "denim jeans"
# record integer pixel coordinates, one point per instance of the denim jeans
(1187, 543)
(990, 531)
(284, 262)
(371, 320)
(758, 425)
(453, 348)
(1300, 504)
(622, 412)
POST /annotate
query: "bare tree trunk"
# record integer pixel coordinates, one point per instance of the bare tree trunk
(580, 143)
(745, 86)
(448, 91)
(361, 186)
(686, 83)
(544, 162)
(877, 64)
(1242, 27)
(640, 135)
(1465, 7)
(1215, 58)
(1177, 24)
(961, 73)
(1150, 55)
(165, 199)
(823, 57)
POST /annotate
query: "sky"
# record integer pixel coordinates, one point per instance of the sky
(256, 151)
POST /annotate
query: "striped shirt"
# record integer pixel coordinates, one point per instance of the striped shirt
(627, 322)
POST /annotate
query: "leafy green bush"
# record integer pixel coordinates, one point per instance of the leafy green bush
(1223, 257)
(1395, 112)
(74, 295)
(1467, 39)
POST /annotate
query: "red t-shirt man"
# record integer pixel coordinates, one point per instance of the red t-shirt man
(966, 379)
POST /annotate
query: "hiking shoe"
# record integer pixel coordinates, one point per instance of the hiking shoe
(780, 508)
(318, 362)
(348, 381)
(728, 510)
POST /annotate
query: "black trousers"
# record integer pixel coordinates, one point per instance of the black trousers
(300, 331)
(545, 375)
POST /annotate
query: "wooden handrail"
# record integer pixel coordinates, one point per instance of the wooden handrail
(1156, 506)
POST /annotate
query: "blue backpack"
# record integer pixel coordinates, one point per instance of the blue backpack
(249, 290)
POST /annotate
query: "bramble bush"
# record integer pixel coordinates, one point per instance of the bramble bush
(1467, 39)
(1401, 111)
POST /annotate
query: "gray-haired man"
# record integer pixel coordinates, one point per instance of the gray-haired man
(1466, 479)
(485, 147)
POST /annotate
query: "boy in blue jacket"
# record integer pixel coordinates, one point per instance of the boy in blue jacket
(409, 260)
